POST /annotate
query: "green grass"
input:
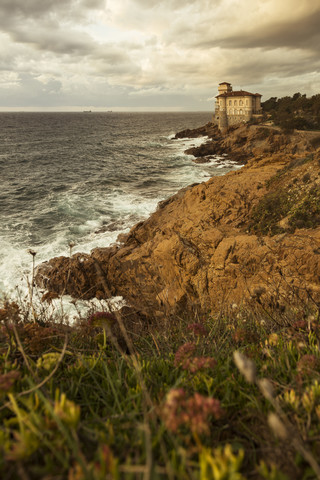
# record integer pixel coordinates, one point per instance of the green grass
(74, 406)
(293, 196)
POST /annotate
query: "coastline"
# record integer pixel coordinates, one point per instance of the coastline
(201, 249)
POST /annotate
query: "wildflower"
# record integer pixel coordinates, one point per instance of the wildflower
(308, 401)
(171, 410)
(199, 363)
(184, 358)
(291, 398)
(245, 366)
(277, 426)
(66, 410)
(272, 340)
(223, 464)
(48, 361)
(184, 353)
(307, 364)
(24, 444)
(311, 396)
(197, 329)
(192, 412)
(7, 380)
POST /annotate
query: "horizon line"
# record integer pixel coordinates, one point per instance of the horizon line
(98, 109)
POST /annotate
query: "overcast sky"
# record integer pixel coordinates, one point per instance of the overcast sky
(154, 54)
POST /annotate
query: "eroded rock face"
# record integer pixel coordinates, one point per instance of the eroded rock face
(196, 251)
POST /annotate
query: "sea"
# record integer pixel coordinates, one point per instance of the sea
(83, 178)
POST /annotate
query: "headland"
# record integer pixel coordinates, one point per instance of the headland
(253, 234)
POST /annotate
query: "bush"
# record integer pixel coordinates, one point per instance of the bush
(268, 212)
(307, 213)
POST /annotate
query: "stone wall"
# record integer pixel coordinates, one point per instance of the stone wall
(238, 119)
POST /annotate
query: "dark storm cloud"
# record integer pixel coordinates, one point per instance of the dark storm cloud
(295, 25)
(39, 8)
(55, 40)
(298, 33)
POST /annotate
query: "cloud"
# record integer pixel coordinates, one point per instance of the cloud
(287, 31)
(155, 51)
(36, 9)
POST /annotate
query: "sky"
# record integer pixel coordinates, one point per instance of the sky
(154, 54)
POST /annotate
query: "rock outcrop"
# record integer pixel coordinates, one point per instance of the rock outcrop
(203, 248)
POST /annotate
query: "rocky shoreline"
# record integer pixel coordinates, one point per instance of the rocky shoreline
(205, 248)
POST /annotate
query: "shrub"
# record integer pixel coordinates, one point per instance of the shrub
(268, 212)
(307, 213)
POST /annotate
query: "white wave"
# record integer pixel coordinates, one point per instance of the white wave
(182, 144)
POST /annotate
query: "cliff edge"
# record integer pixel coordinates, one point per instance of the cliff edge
(251, 234)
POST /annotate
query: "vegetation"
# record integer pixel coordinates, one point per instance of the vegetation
(293, 200)
(267, 214)
(296, 112)
(227, 396)
(177, 402)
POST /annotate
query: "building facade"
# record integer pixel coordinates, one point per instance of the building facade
(235, 107)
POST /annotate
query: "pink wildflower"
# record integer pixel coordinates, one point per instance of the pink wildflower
(184, 358)
(307, 364)
(192, 412)
(184, 353)
(198, 363)
(7, 380)
(197, 329)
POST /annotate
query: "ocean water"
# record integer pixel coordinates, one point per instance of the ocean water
(85, 178)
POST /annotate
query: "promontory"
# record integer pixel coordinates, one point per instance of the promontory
(252, 234)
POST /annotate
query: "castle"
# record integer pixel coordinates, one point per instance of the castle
(235, 107)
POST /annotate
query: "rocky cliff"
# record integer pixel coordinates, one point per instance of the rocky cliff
(253, 233)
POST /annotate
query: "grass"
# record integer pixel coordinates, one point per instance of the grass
(292, 200)
(179, 403)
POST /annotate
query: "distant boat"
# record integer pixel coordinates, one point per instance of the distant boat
(86, 111)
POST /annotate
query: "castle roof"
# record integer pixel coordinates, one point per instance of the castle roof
(239, 93)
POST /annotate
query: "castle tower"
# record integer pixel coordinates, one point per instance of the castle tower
(224, 87)
(223, 119)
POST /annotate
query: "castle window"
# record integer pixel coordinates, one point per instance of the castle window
(241, 111)
(246, 102)
(235, 102)
(235, 111)
(241, 102)
(230, 102)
